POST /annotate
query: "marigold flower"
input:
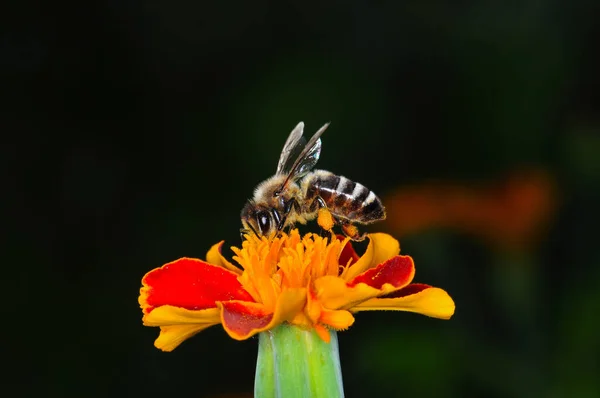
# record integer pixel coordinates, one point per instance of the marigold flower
(312, 282)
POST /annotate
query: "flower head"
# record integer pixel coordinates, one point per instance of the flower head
(308, 281)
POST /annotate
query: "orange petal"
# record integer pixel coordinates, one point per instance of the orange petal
(381, 247)
(215, 256)
(422, 299)
(242, 319)
(323, 333)
(334, 293)
(318, 314)
(337, 319)
(313, 308)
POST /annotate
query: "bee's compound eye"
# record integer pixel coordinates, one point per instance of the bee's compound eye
(264, 222)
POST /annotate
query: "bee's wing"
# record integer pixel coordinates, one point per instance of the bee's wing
(293, 145)
(307, 159)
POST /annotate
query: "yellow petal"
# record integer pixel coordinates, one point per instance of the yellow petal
(334, 294)
(178, 324)
(363, 263)
(337, 319)
(433, 302)
(289, 303)
(215, 257)
(385, 247)
(381, 247)
(168, 315)
(172, 336)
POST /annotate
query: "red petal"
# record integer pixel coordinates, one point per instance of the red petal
(244, 318)
(411, 289)
(347, 254)
(190, 283)
(398, 271)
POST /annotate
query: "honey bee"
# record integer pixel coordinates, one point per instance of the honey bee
(296, 194)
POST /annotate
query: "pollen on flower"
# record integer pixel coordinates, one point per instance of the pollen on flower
(287, 261)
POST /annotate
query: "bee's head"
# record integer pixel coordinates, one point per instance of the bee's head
(261, 220)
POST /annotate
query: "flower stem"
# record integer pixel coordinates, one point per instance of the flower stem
(293, 362)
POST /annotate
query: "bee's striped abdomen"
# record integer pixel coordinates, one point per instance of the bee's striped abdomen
(344, 198)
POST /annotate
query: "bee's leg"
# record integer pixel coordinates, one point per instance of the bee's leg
(292, 203)
(320, 202)
(325, 219)
(244, 231)
(352, 232)
(296, 205)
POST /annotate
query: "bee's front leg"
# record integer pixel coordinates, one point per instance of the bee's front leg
(352, 232)
(244, 232)
(287, 208)
(320, 202)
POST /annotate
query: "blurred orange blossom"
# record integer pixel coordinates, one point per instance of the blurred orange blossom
(510, 214)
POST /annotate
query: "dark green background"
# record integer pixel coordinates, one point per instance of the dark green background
(135, 131)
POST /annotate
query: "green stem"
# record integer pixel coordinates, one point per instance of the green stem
(293, 362)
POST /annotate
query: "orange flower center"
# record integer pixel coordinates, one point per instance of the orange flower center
(287, 261)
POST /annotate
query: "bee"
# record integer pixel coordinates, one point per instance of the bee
(297, 194)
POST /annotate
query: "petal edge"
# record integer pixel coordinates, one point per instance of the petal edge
(430, 301)
(215, 256)
(242, 320)
(398, 272)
